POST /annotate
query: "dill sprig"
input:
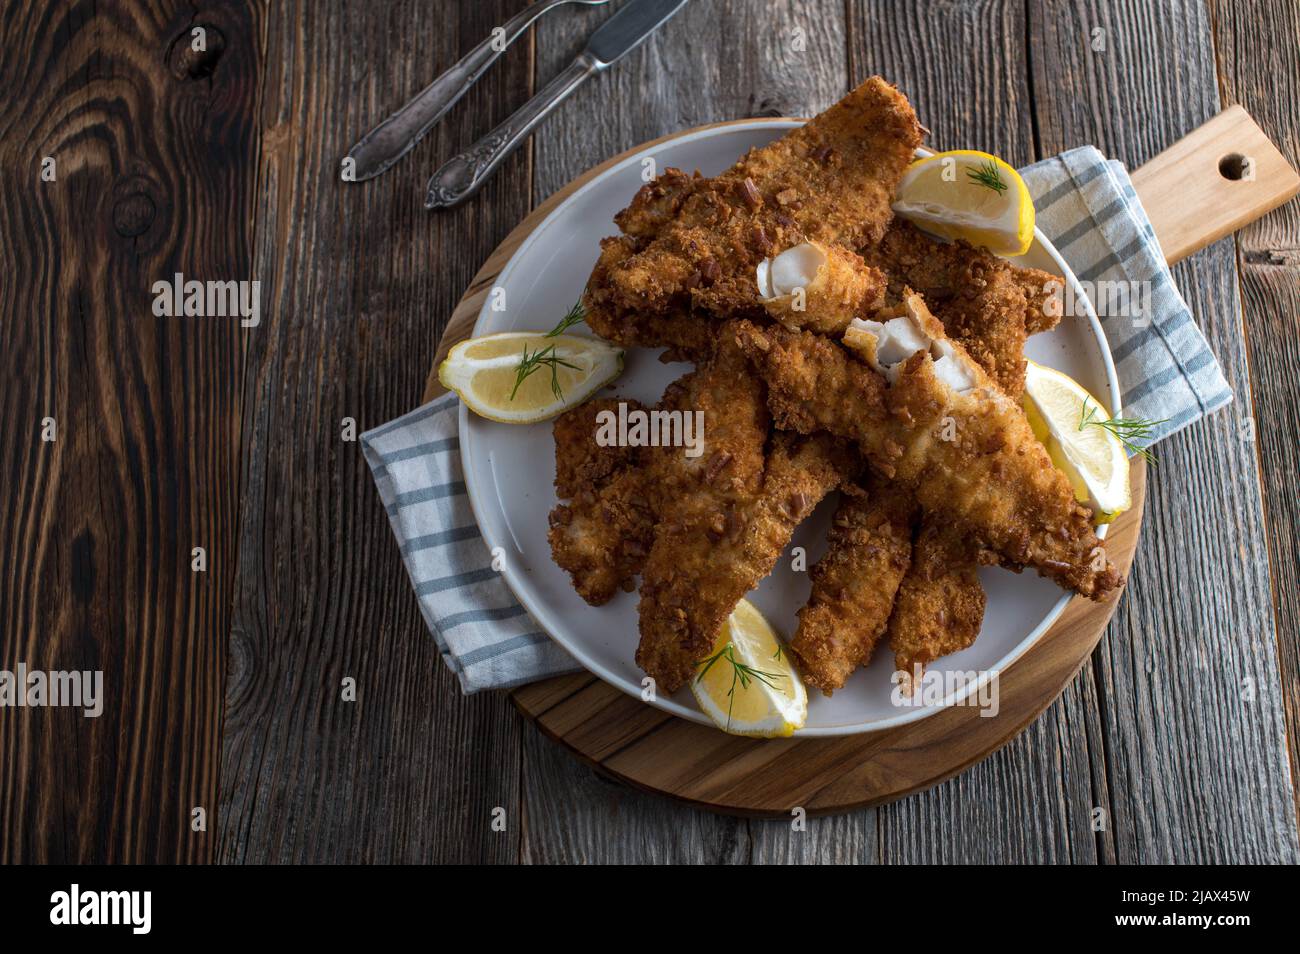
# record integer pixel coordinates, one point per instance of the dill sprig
(1127, 430)
(989, 176)
(531, 363)
(740, 674)
(576, 315)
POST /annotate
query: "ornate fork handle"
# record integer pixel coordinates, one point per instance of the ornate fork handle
(462, 175)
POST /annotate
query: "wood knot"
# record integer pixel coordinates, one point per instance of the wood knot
(133, 214)
(194, 54)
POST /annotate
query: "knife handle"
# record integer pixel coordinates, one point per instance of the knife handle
(378, 150)
(462, 175)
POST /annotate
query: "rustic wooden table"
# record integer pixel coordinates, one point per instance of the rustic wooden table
(223, 687)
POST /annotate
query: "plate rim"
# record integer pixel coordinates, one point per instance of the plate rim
(544, 617)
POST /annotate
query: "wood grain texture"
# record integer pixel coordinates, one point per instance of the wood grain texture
(1195, 773)
(715, 61)
(1255, 45)
(361, 279)
(154, 174)
(966, 68)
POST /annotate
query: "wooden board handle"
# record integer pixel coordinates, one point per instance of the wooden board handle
(1212, 182)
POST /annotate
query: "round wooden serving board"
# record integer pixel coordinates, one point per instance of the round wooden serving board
(650, 749)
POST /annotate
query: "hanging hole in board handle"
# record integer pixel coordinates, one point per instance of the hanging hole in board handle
(1189, 206)
(1235, 166)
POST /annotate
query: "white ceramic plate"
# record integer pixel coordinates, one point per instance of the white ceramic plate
(509, 469)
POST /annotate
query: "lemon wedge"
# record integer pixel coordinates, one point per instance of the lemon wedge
(1092, 457)
(559, 372)
(969, 195)
(748, 685)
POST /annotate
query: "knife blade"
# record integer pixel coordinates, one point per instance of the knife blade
(628, 28)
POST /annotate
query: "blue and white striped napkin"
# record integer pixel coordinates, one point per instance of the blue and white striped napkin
(484, 635)
(1085, 203)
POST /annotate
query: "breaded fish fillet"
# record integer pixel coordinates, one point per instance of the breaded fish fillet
(940, 603)
(984, 302)
(603, 534)
(656, 204)
(688, 335)
(989, 306)
(580, 461)
(993, 477)
(818, 287)
(705, 560)
(830, 180)
(854, 584)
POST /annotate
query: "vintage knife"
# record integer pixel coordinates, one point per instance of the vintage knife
(461, 176)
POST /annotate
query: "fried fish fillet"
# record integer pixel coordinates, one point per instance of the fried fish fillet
(818, 287)
(691, 245)
(854, 584)
(729, 403)
(657, 203)
(1042, 290)
(946, 570)
(688, 335)
(989, 306)
(580, 460)
(602, 535)
(984, 302)
(993, 478)
(705, 560)
(940, 602)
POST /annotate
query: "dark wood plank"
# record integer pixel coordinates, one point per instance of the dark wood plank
(155, 171)
(360, 280)
(1195, 772)
(574, 815)
(836, 839)
(1256, 44)
(712, 62)
(965, 68)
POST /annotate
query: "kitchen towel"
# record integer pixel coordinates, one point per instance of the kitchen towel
(1085, 205)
